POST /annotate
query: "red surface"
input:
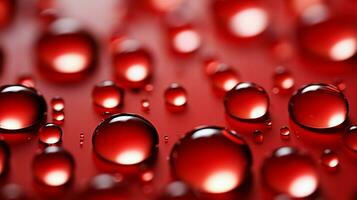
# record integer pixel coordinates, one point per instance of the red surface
(254, 62)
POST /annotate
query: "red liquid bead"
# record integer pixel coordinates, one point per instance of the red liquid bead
(7, 12)
(242, 19)
(184, 39)
(329, 160)
(223, 78)
(133, 65)
(332, 40)
(26, 81)
(247, 101)
(57, 104)
(224, 156)
(319, 106)
(145, 105)
(58, 117)
(125, 139)
(53, 167)
(258, 137)
(147, 176)
(177, 191)
(291, 173)
(50, 134)
(350, 138)
(65, 52)
(284, 133)
(4, 157)
(107, 95)
(283, 80)
(21, 108)
(175, 95)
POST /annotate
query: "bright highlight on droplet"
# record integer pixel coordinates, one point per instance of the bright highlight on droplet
(10, 124)
(136, 72)
(344, 49)
(229, 84)
(180, 100)
(130, 157)
(70, 63)
(56, 178)
(257, 112)
(110, 103)
(288, 83)
(249, 22)
(221, 182)
(336, 120)
(187, 41)
(303, 186)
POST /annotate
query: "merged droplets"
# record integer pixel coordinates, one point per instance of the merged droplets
(242, 19)
(21, 108)
(225, 156)
(50, 134)
(283, 80)
(289, 172)
(125, 139)
(53, 167)
(175, 95)
(4, 157)
(350, 138)
(107, 95)
(133, 65)
(65, 52)
(319, 106)
(247, 101)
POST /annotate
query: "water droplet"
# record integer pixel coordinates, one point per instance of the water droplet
(21, 108)
(112, 142)
(319, 106)
(242, 19)
(175, 95)
(289, 172)
(224, 78)
(350, 138)
(58, 117)
(247, 101)
(57, 104)
(66, 52)
(283, 80)
(4, 157)
(329, 160)
(184, 39)
(108, 95)
(225, 155)
(8, 8)
(147, 176)
(285, 133)
(133, 65)
(258, 137)
(27, 81)
(145, 105)
(81, 139)
(166, 139)
(50, 134)
(53, 167)
(340, 84)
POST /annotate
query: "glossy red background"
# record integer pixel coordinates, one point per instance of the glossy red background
(254, 62)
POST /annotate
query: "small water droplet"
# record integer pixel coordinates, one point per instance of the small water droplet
(50, 134)
(107, 95)
(258, 137)
(57, 104)
(175, 95)
(329, 160)
(285, 133)
(145, 105)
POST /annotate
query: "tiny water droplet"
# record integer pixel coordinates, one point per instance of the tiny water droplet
(285, 133)
(57, 104)
(329, 160)
(145, 105)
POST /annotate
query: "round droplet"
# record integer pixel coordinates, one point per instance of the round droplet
(319, 106)
(247, 101)
(333, 40)
(147, 176)
(133, 65)
(145, 105)
(225, 156)
(175, 95)
(258, 137)
(223, 77)
(26, 81)
(50, 134)
(329, 160)
(53, 167)
(283, 80)
(65, 52)
(57, 104)
(284, 133)
(242, 19)
(108, 95)
(4, 157)
(21, 108)
(350, 138)
(58, 117)
(289, 172)
(184, 39)
(125, 139)
(7, 13)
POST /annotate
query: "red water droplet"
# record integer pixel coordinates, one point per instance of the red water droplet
(350, 138)
(242, 19)
(247, 101)
(340, 84)
(332, 40)
(133, 65)
(21, 108)
(319, 106)
(58, 117)
(66, 52)
(223, 77)
(147, 175)
(184, 39)
(81, 139)
(107, 95)
(26, 81)
(50, 134)
(225, 156)
(285, 133)
(57, 104)
(329, 160)
(125, 139)
(4, 157)
(145, 105)
(258, 137)
(177, 191)
(289, 172)
(53, 167)
(283, 80)
(175, 95)
(8, 8)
